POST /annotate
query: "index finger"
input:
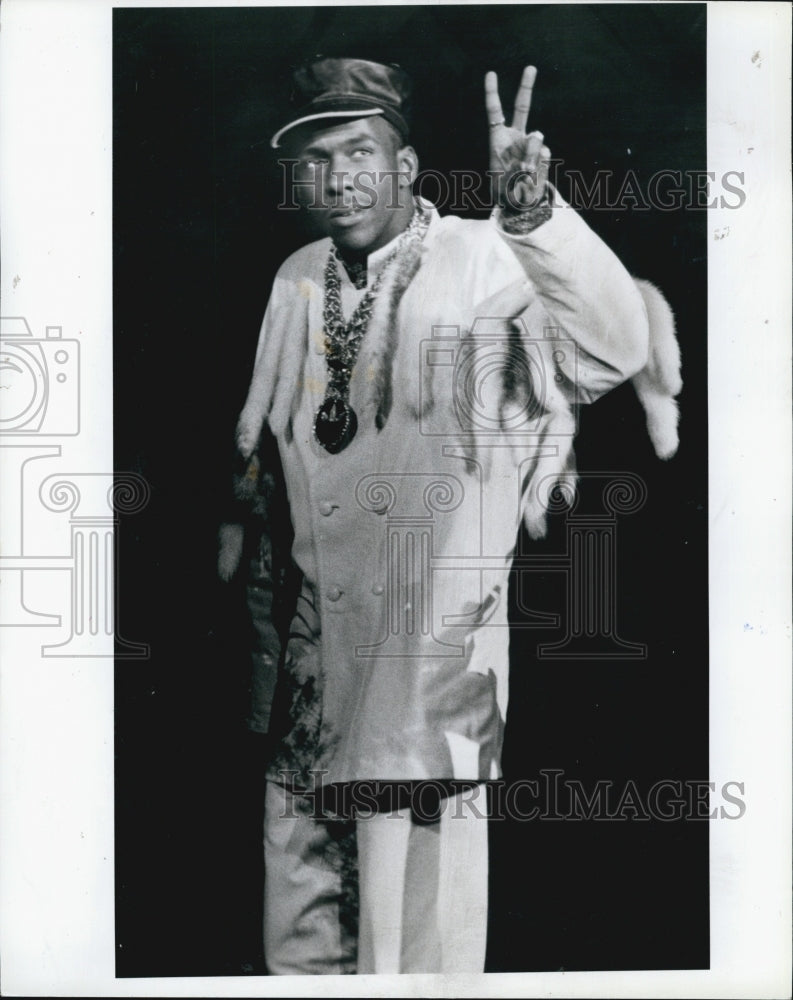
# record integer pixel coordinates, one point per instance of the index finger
(523, 98)
(492, 101)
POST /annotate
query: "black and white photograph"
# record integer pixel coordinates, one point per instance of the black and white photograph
(395, 551)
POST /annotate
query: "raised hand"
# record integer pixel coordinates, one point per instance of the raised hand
(520, 162)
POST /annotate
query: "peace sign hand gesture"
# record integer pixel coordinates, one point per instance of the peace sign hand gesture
(519, 161)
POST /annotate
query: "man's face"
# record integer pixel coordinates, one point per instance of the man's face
(355, 180)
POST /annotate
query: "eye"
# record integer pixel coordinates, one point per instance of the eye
(361, 152)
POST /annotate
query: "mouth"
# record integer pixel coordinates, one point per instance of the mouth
(346, 216)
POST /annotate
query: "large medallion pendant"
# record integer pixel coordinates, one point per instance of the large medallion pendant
(335, 425)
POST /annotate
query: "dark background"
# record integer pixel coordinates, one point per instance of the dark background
(197, 239)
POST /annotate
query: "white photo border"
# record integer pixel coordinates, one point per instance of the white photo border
(57, 903)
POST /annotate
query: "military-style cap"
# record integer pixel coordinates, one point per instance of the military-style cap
(349, 88)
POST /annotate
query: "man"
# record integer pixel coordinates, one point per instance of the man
(418, 374)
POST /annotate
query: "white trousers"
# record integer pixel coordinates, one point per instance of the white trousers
(379, 894)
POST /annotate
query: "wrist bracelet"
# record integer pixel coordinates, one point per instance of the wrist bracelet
(521, 223)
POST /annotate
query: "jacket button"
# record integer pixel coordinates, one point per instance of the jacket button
(326, 508)
(378, 589)
(333, 594)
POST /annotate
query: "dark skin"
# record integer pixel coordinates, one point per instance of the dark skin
(521, 160)
(356, 175)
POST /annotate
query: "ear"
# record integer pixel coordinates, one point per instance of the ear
(408, 163)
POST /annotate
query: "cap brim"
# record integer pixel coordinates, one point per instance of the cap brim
(349, 113)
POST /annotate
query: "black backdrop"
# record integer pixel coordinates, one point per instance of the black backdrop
(197, 238)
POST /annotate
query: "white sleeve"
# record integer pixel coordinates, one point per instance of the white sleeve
(588, 294)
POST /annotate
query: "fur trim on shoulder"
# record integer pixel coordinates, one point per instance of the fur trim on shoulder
(659, 381)
(231, 538)
(275, 377)
(372, 380)
(553, 474)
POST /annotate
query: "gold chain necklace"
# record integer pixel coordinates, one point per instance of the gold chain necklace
(336, 422)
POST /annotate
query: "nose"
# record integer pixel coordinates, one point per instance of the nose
(338, 179)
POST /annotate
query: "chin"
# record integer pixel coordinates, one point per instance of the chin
(360, 242)
(352, 241)
(371, 232)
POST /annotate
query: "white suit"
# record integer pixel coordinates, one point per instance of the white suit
(397, 665)
(405, 538)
